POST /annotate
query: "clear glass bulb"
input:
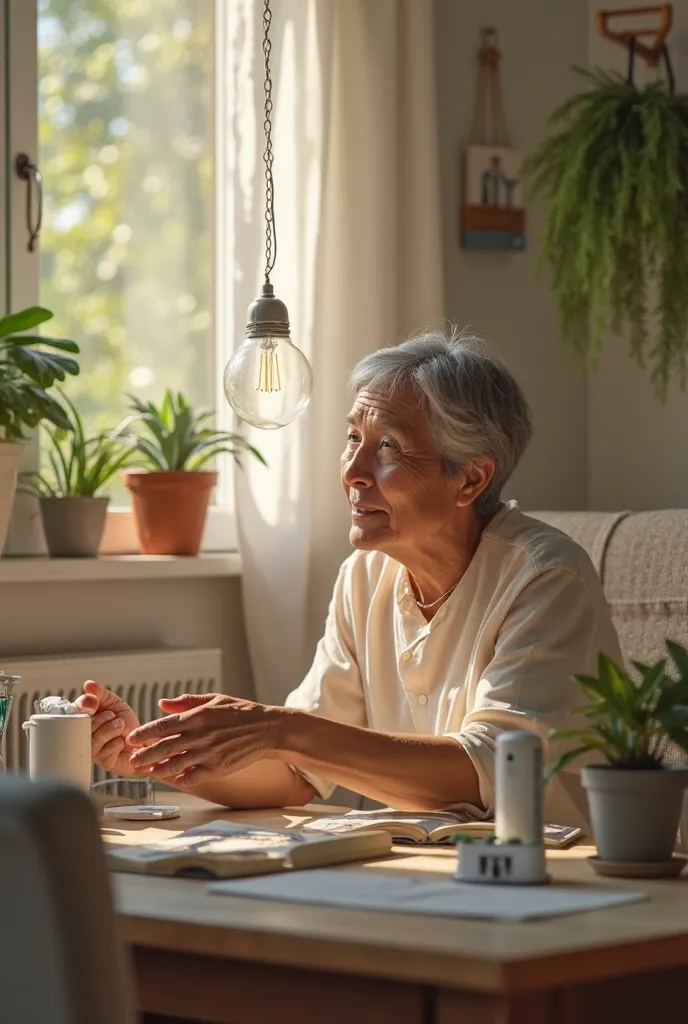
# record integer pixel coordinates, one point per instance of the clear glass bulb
(268, 382)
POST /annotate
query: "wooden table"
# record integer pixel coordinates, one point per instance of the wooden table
(244, 961)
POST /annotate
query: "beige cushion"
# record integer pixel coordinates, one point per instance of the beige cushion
(642, 559)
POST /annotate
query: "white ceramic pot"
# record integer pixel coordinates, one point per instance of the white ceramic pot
(635, 813)
(10, 454)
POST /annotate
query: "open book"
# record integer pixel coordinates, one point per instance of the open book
(427, 827)
(224, 849)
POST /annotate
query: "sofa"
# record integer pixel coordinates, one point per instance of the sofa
(642, 560)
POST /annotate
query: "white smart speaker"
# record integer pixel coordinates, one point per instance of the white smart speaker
(518, 788)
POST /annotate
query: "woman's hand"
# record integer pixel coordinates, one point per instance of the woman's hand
(112, 721)
(205, 736)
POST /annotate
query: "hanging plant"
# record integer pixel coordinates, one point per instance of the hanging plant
(614, 171)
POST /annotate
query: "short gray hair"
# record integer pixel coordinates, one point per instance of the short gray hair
(474, 406)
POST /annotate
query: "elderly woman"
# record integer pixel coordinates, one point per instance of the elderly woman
(457, 617)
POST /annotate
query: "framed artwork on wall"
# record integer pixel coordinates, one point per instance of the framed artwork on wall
(492, 215)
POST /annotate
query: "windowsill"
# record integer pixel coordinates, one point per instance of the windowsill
(118, 567)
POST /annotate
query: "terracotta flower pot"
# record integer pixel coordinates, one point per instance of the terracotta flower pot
(170, 509)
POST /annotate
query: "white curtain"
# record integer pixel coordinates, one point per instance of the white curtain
(358, 265)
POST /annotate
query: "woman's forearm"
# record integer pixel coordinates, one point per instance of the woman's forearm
(405, 771)
(266, 783)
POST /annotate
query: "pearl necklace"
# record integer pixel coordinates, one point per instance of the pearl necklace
(431, 604)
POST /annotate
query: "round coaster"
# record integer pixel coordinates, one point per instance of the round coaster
(140, 812)
(639, 869)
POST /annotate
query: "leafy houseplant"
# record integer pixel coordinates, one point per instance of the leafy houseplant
(79, 467)
(615, 173)
(174, 444)
(30, 365)
(635, 799)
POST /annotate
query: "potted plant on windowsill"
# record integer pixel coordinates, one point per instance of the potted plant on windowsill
(171, 493)
(72, 509)
(29, 366)
(635, 799)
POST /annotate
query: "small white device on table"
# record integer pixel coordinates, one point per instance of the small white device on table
(141, 812)
(515, 855)
(59, 743)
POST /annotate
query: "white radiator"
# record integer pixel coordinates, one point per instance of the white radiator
(141, 678)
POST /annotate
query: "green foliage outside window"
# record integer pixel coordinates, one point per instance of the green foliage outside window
(126, 151)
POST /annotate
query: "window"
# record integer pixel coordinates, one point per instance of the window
(126, 143)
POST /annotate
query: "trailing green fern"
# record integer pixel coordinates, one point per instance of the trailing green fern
(615, 174)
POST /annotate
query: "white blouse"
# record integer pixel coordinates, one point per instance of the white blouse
(528, 613)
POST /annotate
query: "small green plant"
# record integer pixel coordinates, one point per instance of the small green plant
(614, 171)
(174, 437)
(628, 719)
(30, 364)
(79, 466)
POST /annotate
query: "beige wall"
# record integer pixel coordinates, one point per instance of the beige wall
(498, 294)
(606, 442)
(53, 618)
(638, 449)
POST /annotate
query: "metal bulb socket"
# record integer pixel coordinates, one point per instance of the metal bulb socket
(267, 316)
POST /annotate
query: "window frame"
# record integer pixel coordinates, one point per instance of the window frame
(20, 270)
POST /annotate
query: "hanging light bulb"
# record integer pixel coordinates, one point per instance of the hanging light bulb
(268, 381)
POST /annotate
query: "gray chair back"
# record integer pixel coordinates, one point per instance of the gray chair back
(59, 958)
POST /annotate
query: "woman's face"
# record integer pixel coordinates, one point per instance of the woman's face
(393, 477)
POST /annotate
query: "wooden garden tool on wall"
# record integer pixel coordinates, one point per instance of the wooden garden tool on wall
(630, 38)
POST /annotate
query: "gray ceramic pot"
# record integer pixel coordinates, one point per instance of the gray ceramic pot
(73, 526)
(635, 814)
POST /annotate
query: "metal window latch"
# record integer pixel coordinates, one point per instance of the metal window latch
(27, 170)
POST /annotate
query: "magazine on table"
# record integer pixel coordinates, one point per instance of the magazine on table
(427, 827)
(223, 849)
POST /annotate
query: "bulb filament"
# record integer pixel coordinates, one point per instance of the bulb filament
(268, 367)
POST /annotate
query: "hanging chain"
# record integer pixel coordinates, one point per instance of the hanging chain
(270, 232)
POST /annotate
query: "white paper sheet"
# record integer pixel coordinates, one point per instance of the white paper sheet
(412, 895)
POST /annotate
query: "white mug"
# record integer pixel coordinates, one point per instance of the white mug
(60, 748)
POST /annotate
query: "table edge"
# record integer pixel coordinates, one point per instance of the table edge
(428, 966)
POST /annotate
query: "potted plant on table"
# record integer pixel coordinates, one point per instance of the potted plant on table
(73, 511)
(635, 799)
(29, 366)
(171, 492)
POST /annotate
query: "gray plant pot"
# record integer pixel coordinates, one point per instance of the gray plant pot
(73, 526)
(635, 813)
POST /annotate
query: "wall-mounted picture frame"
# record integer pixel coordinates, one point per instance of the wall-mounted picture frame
(493, 216)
